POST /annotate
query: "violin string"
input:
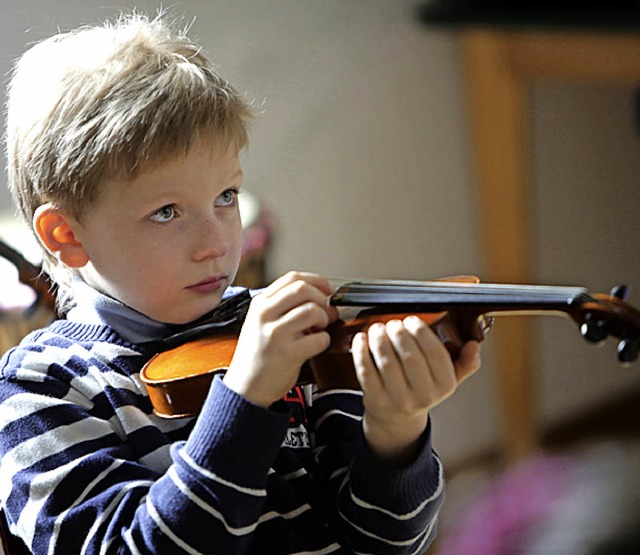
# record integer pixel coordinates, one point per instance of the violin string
(442, 285)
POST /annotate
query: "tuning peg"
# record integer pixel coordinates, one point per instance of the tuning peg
(594, 330)
(620, 291)
(628, 350)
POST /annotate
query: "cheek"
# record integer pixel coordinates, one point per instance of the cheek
(237, 248)
(138, 264)
(235, 235)
(146, 281)
(241, 245)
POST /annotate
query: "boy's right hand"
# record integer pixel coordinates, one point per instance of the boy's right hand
(284, 327)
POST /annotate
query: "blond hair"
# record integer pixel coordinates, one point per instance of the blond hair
(105, 101)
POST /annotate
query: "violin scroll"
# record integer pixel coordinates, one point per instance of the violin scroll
(611, 316)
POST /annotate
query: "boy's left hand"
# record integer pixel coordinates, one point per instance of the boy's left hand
(404, 371)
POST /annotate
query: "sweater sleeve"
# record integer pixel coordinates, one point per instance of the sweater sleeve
(74, 482)
(218, 479)
(380, 509)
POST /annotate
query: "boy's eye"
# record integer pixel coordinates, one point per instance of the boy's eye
(165, 214)
(227, 198)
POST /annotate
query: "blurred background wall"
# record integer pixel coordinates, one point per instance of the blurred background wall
(362, 155)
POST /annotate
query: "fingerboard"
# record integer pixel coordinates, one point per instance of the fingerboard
(439, 296)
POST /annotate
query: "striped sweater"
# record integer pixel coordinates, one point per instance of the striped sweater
(87, 467)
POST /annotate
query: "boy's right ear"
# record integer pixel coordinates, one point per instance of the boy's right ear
(55, 230)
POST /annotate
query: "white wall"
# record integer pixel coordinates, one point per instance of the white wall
(362, 154)
(586, 198)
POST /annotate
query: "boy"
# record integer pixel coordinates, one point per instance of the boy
(123, 148)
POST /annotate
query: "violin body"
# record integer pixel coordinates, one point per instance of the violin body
(458, 309)
(178, 380)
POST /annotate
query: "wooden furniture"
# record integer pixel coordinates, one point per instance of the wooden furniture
(9, 544)
(503, 54)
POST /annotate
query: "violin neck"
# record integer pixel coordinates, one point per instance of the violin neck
(439, 296)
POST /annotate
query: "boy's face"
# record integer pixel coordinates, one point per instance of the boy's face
(169, 242)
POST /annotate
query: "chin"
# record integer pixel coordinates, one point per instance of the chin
(187, 310)
(192, 315)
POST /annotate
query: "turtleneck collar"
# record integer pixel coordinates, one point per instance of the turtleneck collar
(94, 307)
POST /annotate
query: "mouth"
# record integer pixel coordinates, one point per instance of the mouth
(209, 284)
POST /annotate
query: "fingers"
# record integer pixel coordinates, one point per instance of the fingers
(468, 361)
(407, 359)
(392, 352)
(366, 369)
(283, 328)
(298, 304)
(408, 352)
(298, 279)
(440, 368)
(404, 370)
(297, 295)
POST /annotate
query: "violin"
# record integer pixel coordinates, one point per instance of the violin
(31, 275)
(458, 309)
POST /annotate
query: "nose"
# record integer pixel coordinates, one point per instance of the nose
(211, 239)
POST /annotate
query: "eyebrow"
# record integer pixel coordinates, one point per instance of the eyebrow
(239, 173)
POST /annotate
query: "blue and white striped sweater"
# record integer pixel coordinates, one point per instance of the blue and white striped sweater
(86, 467)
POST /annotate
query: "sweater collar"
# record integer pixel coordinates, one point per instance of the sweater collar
(93, 307)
